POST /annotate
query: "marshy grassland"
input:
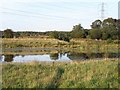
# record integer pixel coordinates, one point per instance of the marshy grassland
(76, 74)
(79, 45)
(83, 74)
(31, 42)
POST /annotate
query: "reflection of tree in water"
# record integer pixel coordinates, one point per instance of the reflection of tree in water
(83, 56)
(19, 55)
(22, 55)
(1, 57)
(54, 56)
(103, 55)
(95, 55)
(77, 56)
(113, 55)
(8, 58)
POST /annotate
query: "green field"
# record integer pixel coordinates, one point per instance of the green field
(84, 74)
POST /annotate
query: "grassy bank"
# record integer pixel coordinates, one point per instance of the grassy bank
(31, 42)
(77, 45)
(87, 74)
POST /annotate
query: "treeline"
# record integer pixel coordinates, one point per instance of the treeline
(8, 33)
(104, 30)
(108, 29)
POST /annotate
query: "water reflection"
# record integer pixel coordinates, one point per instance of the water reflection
(58, 57)
(1, 58)
(8, 58)
(115, 55)
(77, 56)
(96, 55)
(54, 56)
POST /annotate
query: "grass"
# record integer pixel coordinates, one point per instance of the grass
(84, 74)
(78, 45)
(31, 42)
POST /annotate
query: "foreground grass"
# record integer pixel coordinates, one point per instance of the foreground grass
(87, 74)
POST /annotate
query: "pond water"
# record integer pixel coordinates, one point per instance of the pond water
(67, 56)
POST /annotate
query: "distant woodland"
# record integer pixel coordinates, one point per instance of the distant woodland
(108, 29)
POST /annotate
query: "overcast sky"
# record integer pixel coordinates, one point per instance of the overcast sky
(49, 15)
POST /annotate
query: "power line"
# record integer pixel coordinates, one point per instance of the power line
(30, 12)
(54, 5)
(38, 17)
(20, 14)
(38, 14)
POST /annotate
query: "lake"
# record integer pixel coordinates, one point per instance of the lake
(17, 55)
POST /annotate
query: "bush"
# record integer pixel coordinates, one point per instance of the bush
(95, 34)
(8, 33)
(109, 41)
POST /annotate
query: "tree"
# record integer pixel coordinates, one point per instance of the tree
(64, 36)
(1, 34)
(78, 32)
(110, 29)
(77, 27)
(8, 33)
(113, 33)
(118, 28)
(105, 33)
(109, 22)
(96, 24)
(16, 34)
(54, 34)
(95, 34)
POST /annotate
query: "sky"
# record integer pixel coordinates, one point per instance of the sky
(50, 15)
